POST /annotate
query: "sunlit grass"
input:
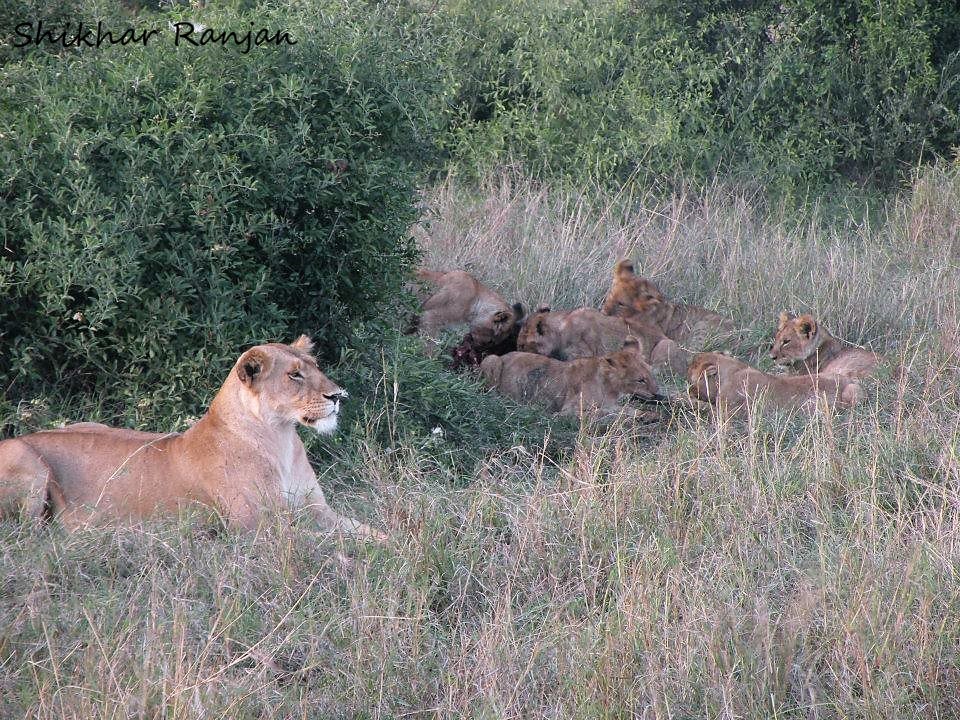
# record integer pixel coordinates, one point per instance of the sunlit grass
(783, 567)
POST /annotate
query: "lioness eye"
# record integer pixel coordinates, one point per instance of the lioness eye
(785, 342)
(296, 375)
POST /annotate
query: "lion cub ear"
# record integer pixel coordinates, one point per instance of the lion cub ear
(501, 316)
(518, 312)
(253, 365)
(624, 268)
(782, 320)
(631, 343)
(808, 326)
(303, 344)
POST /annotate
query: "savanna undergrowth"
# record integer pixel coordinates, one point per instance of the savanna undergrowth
(784, 567)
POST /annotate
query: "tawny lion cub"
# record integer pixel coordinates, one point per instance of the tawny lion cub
(242, 457)
(459, 298)
(632, 296)
(732, 385)
(804, 345)
(595, 384)
(585, 332)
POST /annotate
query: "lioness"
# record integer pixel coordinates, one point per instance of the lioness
(632, 296)
(242, 456)
(806, 346)
(459, 298)
(585, 332)
(732, 385)
(591, 384)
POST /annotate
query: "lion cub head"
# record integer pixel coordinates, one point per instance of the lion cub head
(498, 327)
(797, 339)
(627, 373)
(542, 334)
(283, 385)
(630, 294)
(707, 372)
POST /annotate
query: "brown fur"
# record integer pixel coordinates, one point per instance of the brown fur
(635, 297)
(585, 332)
(732, 386)
(241, 457)
(804, 345)
(457, 298)
(595, 384)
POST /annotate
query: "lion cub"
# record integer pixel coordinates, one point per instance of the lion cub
(803, 344)
(632, 296)
(585, 332)
(732, 385)
(459, 298)
(595, 384)
(242, 457)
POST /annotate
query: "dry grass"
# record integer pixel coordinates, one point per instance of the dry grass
(787, 568)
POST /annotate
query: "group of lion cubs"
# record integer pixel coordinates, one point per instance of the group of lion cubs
(589, 360)
(244, 455)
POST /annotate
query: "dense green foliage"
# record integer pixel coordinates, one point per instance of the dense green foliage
(164, 207)
(798, 94)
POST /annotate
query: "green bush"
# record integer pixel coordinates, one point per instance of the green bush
(13, 12)
(820, 92)
(165, 207)
(793, 95)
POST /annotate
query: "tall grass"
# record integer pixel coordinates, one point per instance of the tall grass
(870, 279)
(782, 568)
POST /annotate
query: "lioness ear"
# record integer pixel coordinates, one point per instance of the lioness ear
(782, 320)
(518, 312)
(303, 343)
(253, 365)
(624, 267)
(711, 371)
(808, 326)
(501, 316)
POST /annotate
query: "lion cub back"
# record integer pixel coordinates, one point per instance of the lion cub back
(733, 385)
(526, 377)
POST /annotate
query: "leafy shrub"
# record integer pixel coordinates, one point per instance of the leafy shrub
(820, 92)
(55, 13)
(799, 93)
(164, 207)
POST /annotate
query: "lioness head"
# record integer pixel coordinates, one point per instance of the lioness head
(630, 294)
(626, 372)
(282, 384)
(797, 338)
(542, 334)
(498, 327)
